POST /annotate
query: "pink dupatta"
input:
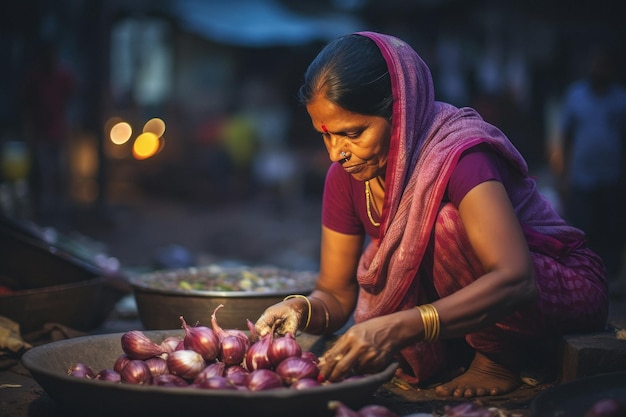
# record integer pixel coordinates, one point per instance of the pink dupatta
(427, 139)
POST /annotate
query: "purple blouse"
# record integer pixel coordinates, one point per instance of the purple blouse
(344, 209)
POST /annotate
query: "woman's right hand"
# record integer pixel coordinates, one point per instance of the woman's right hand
(284, 317)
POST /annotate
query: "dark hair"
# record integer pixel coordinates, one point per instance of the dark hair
(352, 73)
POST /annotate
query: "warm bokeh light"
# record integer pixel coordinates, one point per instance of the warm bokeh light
(156, 126)
(146, 145)
(120, 133)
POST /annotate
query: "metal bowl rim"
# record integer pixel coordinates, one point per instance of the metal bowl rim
(55, 288)
(139, 285)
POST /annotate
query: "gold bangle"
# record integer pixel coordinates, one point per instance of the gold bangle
(430, 319)
(308, 303)
(326, 313)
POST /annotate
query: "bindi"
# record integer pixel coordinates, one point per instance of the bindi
(324, 128)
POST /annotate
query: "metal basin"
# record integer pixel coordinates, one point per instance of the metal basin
(161, 300)
(51, 285)
(81, 305)
(49, 363)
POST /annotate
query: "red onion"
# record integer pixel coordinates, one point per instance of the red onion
(254, 336)
(467, 409)
(214, 369)
(221, 333)
(283, 348)
(233, 350)
(202, 340)
(138, 346)
(307, 354)
(607, 407)
(81, 370)
(342, 410)
(158, 366)
(216, 382)
(109, 375)
(263, 379)
(295, 368)
(169, 344)
(120, 362)
(373, 410)
(187, 364)
(136, 372)
(237, 375)
(169, 380)
(305, 383)
(256, 356)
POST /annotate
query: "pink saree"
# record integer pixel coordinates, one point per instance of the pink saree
(423, 244)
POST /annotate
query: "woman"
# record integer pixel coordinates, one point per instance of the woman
(462, 245)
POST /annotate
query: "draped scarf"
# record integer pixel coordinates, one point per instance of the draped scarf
(427, 140)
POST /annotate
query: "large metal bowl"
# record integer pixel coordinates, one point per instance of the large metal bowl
(160, 303)
(49, 363)
(82, 305)
(51, 285)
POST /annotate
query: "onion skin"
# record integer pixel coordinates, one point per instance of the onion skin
(256, 356)
(81, 370)
(305, 383)
(469, 409)
(608, 407)
(372, 410)
(169, 380)
(263, 379)
(216, 382)
(136, 371)
(202, 340)
(283, 348)
(212, 370)
(120, 362)
(108, 375)
(221, 333)
(237, 375)
(307, 354)
(233, 350)
(138, 346)
(171, 343)
(186, 364)
(295, 368)
(342, 410)
(158, 366)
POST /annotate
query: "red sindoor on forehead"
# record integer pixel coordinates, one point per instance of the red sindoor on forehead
(324, 128)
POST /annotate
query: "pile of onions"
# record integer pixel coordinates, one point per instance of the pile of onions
(371, 410)
(211, 358)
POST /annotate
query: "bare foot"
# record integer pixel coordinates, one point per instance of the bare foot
(484, 377)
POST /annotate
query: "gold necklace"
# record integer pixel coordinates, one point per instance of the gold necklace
(367, 203)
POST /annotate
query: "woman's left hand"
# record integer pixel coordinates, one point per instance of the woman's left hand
(366, 347)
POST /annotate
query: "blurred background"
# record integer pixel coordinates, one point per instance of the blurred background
(166, 132)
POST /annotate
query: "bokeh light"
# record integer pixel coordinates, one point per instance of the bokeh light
(120, 133)
(146, 145)
(156, 126)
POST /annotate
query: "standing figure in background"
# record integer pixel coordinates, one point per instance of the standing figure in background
(593, 129)
(46, 94)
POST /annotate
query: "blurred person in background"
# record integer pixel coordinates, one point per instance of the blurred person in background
(435, 238)
(593, 134)
(47, 91)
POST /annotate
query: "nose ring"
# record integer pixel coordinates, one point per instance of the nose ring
(343, 154)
